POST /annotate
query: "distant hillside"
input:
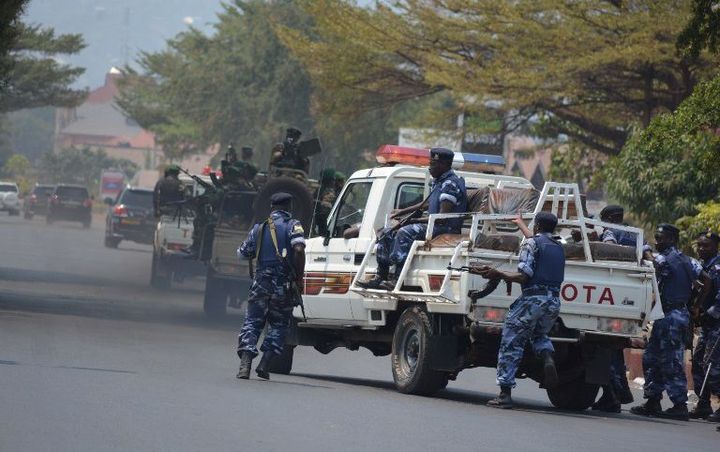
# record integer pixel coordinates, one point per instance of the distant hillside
(116, 30)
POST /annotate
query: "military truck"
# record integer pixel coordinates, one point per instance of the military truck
(228, 278)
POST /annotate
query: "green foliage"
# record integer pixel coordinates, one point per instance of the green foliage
(10, 12)
(573, 162)
(16, 166)
(702, 30)
(592, 69)
(667, 169)
(29, 132)
(81, 166)
(707, 218)
(35, 76)
(242, 85)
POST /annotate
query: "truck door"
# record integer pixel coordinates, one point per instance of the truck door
(331, 261)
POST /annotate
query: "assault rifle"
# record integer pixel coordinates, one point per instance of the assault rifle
(489, 288)
(197, 179)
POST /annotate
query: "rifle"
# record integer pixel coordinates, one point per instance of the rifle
(294, 291)
(489, 288)
(197, 179)
(403, 221)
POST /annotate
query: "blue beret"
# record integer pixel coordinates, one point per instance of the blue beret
(280, 198)
(442, 154)
(668, 228)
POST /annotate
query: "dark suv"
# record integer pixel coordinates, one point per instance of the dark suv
(37, 201)
(131, 218)
(70, 203)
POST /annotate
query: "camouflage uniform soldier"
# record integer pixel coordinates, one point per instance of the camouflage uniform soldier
(663, 359)
(706, 357)
(541, 270)
(276, 243)
(168, 189)
(325, 199)
(246, 167)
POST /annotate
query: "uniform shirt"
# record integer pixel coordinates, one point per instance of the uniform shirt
(528, 254)
(664, 271)
(296, 236)
(452, 190)
(712, 267)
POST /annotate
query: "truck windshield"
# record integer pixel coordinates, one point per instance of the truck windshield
(351, 208)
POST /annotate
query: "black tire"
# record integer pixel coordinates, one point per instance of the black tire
(410, 355)
(283, 364)
(111, 242)
(159, 278)
(216, 298)
(575, 395)
(302, 208)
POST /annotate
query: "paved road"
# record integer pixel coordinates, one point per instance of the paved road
(94, 360)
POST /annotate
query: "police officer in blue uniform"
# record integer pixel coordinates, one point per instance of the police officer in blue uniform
(447, 195)
(706, 356)
(276, 243)
(541, 270)
(663, 359)
(617, 392)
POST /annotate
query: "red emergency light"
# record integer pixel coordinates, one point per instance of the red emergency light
(390, 154)
(206, 171)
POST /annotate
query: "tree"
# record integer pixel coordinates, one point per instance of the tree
(670, 167)
(240, 85)
(589, 69)
(81, 166)
(10, 12)
(703, 29)
(707, 219)
(16, 166)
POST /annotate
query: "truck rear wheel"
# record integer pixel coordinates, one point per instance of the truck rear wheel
(216, 297)
(411, 355)
(283, 364)
(159, 278)
(574, 395)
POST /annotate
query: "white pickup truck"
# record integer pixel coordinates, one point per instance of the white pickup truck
(9, 201)
(433, 324)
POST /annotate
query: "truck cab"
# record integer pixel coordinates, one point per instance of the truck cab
(438, 321)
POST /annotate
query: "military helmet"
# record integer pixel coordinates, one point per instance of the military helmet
(327, 175)
(172, 169)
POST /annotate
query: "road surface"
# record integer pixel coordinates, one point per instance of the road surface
(92, 359)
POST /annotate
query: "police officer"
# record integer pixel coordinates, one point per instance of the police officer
(276, 243)
(168, 189)
(617, 392)
(664, 354)
(541, 270)
(447, 195)
(706, 357)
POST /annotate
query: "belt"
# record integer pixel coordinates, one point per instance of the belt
(546, 291)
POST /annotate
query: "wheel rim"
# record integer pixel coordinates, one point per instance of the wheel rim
(410, 351)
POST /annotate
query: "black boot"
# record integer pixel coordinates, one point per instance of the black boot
(649, 408)
(678, 412)
(503, 400)
(262, 368)
(551, 376)
(373, 283)
(608, 402)
(701, 410)
(625, 396)
(245, 365)
(715, 417)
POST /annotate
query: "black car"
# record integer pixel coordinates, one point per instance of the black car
(70, 203)
(37, 201)
(131, 217)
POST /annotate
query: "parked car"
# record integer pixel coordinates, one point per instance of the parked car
(70, 203)
(131, 218)
(37, 201)
(9, 201)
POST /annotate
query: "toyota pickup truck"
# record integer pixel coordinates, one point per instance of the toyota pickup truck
(438, 320)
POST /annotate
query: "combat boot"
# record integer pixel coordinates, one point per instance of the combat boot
(503, 400)
(649, 408)
(262, 369)
(550, 372)
(702, 410)
(374, 283)
(715, 417)
(626, 395)
(678, 412)
(608, 402)
(245, 365)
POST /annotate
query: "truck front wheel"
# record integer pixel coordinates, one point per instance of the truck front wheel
(411, 355)
(574, 395)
